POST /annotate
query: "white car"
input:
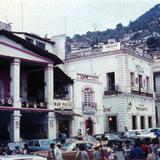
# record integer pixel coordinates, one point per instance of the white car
(22, 157)
(139, 133)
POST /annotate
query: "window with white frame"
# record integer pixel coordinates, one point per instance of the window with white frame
(88, 99)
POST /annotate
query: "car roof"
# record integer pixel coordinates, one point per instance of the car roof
(19, 157)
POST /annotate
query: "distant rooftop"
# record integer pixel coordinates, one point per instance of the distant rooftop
(36, 36)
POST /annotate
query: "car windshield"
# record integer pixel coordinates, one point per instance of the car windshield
(91, 139)
(65, 146)
(46, 142)
(111, 136)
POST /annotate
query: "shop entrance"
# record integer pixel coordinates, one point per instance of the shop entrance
(64, 127)
(112, 124)
(32, 125)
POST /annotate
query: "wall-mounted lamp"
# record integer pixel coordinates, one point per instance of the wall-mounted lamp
(110, 119)
(129, 106)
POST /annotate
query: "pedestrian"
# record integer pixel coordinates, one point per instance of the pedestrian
(154, 145)
(25, 149)
(58, 152)
(136, 151)
(51, 152)
(127, 151)
(151, 154)
(96, 152)
(17, 150)
(82, 153)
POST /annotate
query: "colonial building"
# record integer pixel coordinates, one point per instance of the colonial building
(35, 95)
(113, 88)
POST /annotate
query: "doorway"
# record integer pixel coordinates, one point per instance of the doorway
(112, 124)
(64, 127)
(89, 126)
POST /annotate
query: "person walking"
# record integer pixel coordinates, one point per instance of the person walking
(137, 152)
(82, 153)
(96, 152)
(51, 152)
(151, 154)
(58, 152)
(127, 151)
(25, 150)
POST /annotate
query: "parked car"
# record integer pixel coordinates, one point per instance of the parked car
(22, 157)
(139, 133)
(12, 145)
(39, 144)
(70, 152)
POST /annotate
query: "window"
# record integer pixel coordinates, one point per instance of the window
(29, 40)
(147, 83)
(132, 79)
(142, 122)
(111, 81)
(149, 122)
(134, 122)
(40, 44)
(140, 83)
(88, 98)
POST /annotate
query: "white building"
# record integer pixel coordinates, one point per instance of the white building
(119, 81)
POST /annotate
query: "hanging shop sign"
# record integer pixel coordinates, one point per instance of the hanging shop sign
(62, 104)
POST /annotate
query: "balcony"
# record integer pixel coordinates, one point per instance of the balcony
(6, 100)
(88, 107)
(111, 92)
(141, 93)
(33, 103)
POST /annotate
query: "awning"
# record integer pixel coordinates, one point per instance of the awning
(67, 113)
(60, 76)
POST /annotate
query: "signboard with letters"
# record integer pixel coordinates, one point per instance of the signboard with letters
(62, 104)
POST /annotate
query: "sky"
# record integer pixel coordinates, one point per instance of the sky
(53, 17)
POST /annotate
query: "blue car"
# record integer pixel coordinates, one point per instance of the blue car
(39, 144)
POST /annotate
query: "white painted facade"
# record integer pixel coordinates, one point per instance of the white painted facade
(122, 63)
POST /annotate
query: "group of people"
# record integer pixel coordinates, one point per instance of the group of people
(17, 150)
(142, 150)
(99, 153)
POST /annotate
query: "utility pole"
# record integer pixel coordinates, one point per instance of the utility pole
(22, 14)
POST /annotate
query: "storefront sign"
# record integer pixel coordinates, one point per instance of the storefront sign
(87, 77)
(107, 109)
(111, 47)
(62, 104)
(142, 108)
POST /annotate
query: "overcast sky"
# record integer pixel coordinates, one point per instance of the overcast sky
(49, 16)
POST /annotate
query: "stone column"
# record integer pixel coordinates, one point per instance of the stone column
(15, 127)
(51, 125)
(15, 82)
(49, 89)
(15, 94)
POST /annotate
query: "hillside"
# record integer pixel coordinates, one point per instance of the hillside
(145, 26)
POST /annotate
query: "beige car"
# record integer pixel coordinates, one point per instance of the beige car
(71, 150)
